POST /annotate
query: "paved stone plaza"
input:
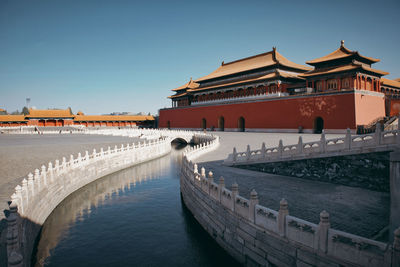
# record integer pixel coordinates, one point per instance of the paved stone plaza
(354, 210)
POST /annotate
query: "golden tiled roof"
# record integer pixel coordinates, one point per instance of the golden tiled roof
(255, 62)
(12, 118)
(391, 83)
(189, 85)
(178, 95)
(341, 52)
(397, 80)
(50, 113)
(114, 118)
(335, 69)
(2, 109)
(274, 75)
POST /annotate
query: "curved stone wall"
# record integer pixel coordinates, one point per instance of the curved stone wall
(256, 235)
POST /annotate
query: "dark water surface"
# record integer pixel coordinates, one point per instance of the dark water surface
(133, 217)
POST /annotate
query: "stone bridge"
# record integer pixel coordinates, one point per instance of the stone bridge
(347, 145)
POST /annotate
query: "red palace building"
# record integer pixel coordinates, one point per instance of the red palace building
(268, 92)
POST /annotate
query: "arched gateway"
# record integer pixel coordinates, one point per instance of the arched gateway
(318, 125)
(221, 123)
(241, 124)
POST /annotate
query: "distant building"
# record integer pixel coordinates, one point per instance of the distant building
(268, 92)
(64, 117)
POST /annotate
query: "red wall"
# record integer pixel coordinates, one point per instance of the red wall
(337, 111)
(394, 107)
(368, 108)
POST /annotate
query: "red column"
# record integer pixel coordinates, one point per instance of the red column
(339, 86)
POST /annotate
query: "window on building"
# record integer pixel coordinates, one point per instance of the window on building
(345, 83)
(332, 84)
(318, 86)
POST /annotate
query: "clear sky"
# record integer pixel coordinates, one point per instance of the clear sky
(104, 56)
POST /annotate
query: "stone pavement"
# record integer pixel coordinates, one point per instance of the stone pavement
(355, 210)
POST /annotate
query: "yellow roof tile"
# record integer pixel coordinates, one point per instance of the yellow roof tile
(50, 113)
(392, 83)
(113, 118)
(12, 118)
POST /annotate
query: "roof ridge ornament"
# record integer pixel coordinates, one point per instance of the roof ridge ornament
(342, 43)
(222, 63)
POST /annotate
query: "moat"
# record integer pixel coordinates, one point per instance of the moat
(134, 217)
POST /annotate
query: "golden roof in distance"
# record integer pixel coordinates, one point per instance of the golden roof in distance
(254, 62)
(12, 118)
(391, 83)
(341, 52)
(49, 113)
(397, 80)
(114, 118)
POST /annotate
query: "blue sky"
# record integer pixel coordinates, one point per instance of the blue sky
(105, 56)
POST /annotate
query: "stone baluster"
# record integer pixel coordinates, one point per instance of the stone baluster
(210, 181)
(25, 193)
(15, 258)
(396, 248)
(221, 186)
(300, 146)
(248, 153)
(283, 211)
(86, 156)
(203, 172)
(322, 143)
(36, 180)
(195, 168)
(50, 169)
(20, 201)
(64, 163)
(71, 160)
(115, 149)
(252, 207)
(235, 192)
(122, 147)
(79, 158)
(44, 175)
(263, 150)
(347, 140)
(280, 148)
(378, 134)
(394, 192)
(31, 186)
(322, 231)
(57, 166)
(94, 153)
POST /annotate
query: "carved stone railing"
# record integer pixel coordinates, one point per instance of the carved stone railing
(321, 241)
(376, 142)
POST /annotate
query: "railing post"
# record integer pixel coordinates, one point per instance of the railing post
(221, 186)
(37, 179)
(300, 146)
(322, 232)
(347, 139)
(235, 192)
(322, 143)
(210, 181)
(31, 186)
(234, 155)
(378, 134)
(394, 192)
(263, 150)
(396, 248)
(248, 153)
(252, 207)
(280, 148)
(44, 175)
(283, 211)
(15, 258)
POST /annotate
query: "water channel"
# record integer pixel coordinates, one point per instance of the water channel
(134, 217)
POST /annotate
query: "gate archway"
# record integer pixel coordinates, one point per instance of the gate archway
(168, 124)
(241, 124)
(221, 123)
(204, 124)
(318, 125)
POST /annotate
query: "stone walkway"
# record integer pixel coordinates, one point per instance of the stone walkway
(358, 211)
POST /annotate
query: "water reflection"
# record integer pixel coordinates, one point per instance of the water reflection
(132, 217)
